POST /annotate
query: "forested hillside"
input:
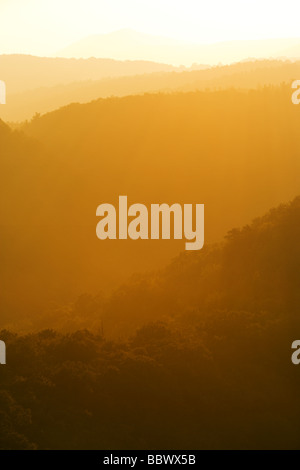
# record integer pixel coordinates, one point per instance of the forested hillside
(236, 152)
(92, 83)
(208, 367)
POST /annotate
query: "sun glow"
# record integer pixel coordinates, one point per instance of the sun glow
(43, 27)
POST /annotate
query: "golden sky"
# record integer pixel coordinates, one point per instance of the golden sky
(43, 27)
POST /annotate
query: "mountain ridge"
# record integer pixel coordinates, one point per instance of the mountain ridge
(130, 44)
(49, 71)
(242, 75)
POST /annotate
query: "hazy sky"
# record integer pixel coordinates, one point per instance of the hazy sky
(45, 26)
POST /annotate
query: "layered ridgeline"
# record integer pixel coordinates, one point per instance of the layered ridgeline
(26, 72)
(81, 84)
(236, 152)
(210, 368)
(251, 277)
(29, 79)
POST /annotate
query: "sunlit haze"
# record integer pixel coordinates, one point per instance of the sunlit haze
(44, 27)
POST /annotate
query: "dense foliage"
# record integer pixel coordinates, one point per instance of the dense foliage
(216, 372)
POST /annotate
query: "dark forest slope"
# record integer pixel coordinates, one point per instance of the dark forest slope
(211, 371)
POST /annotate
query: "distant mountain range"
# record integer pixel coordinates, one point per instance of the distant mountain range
(26, 72)
(129, 44)
(243, 75)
